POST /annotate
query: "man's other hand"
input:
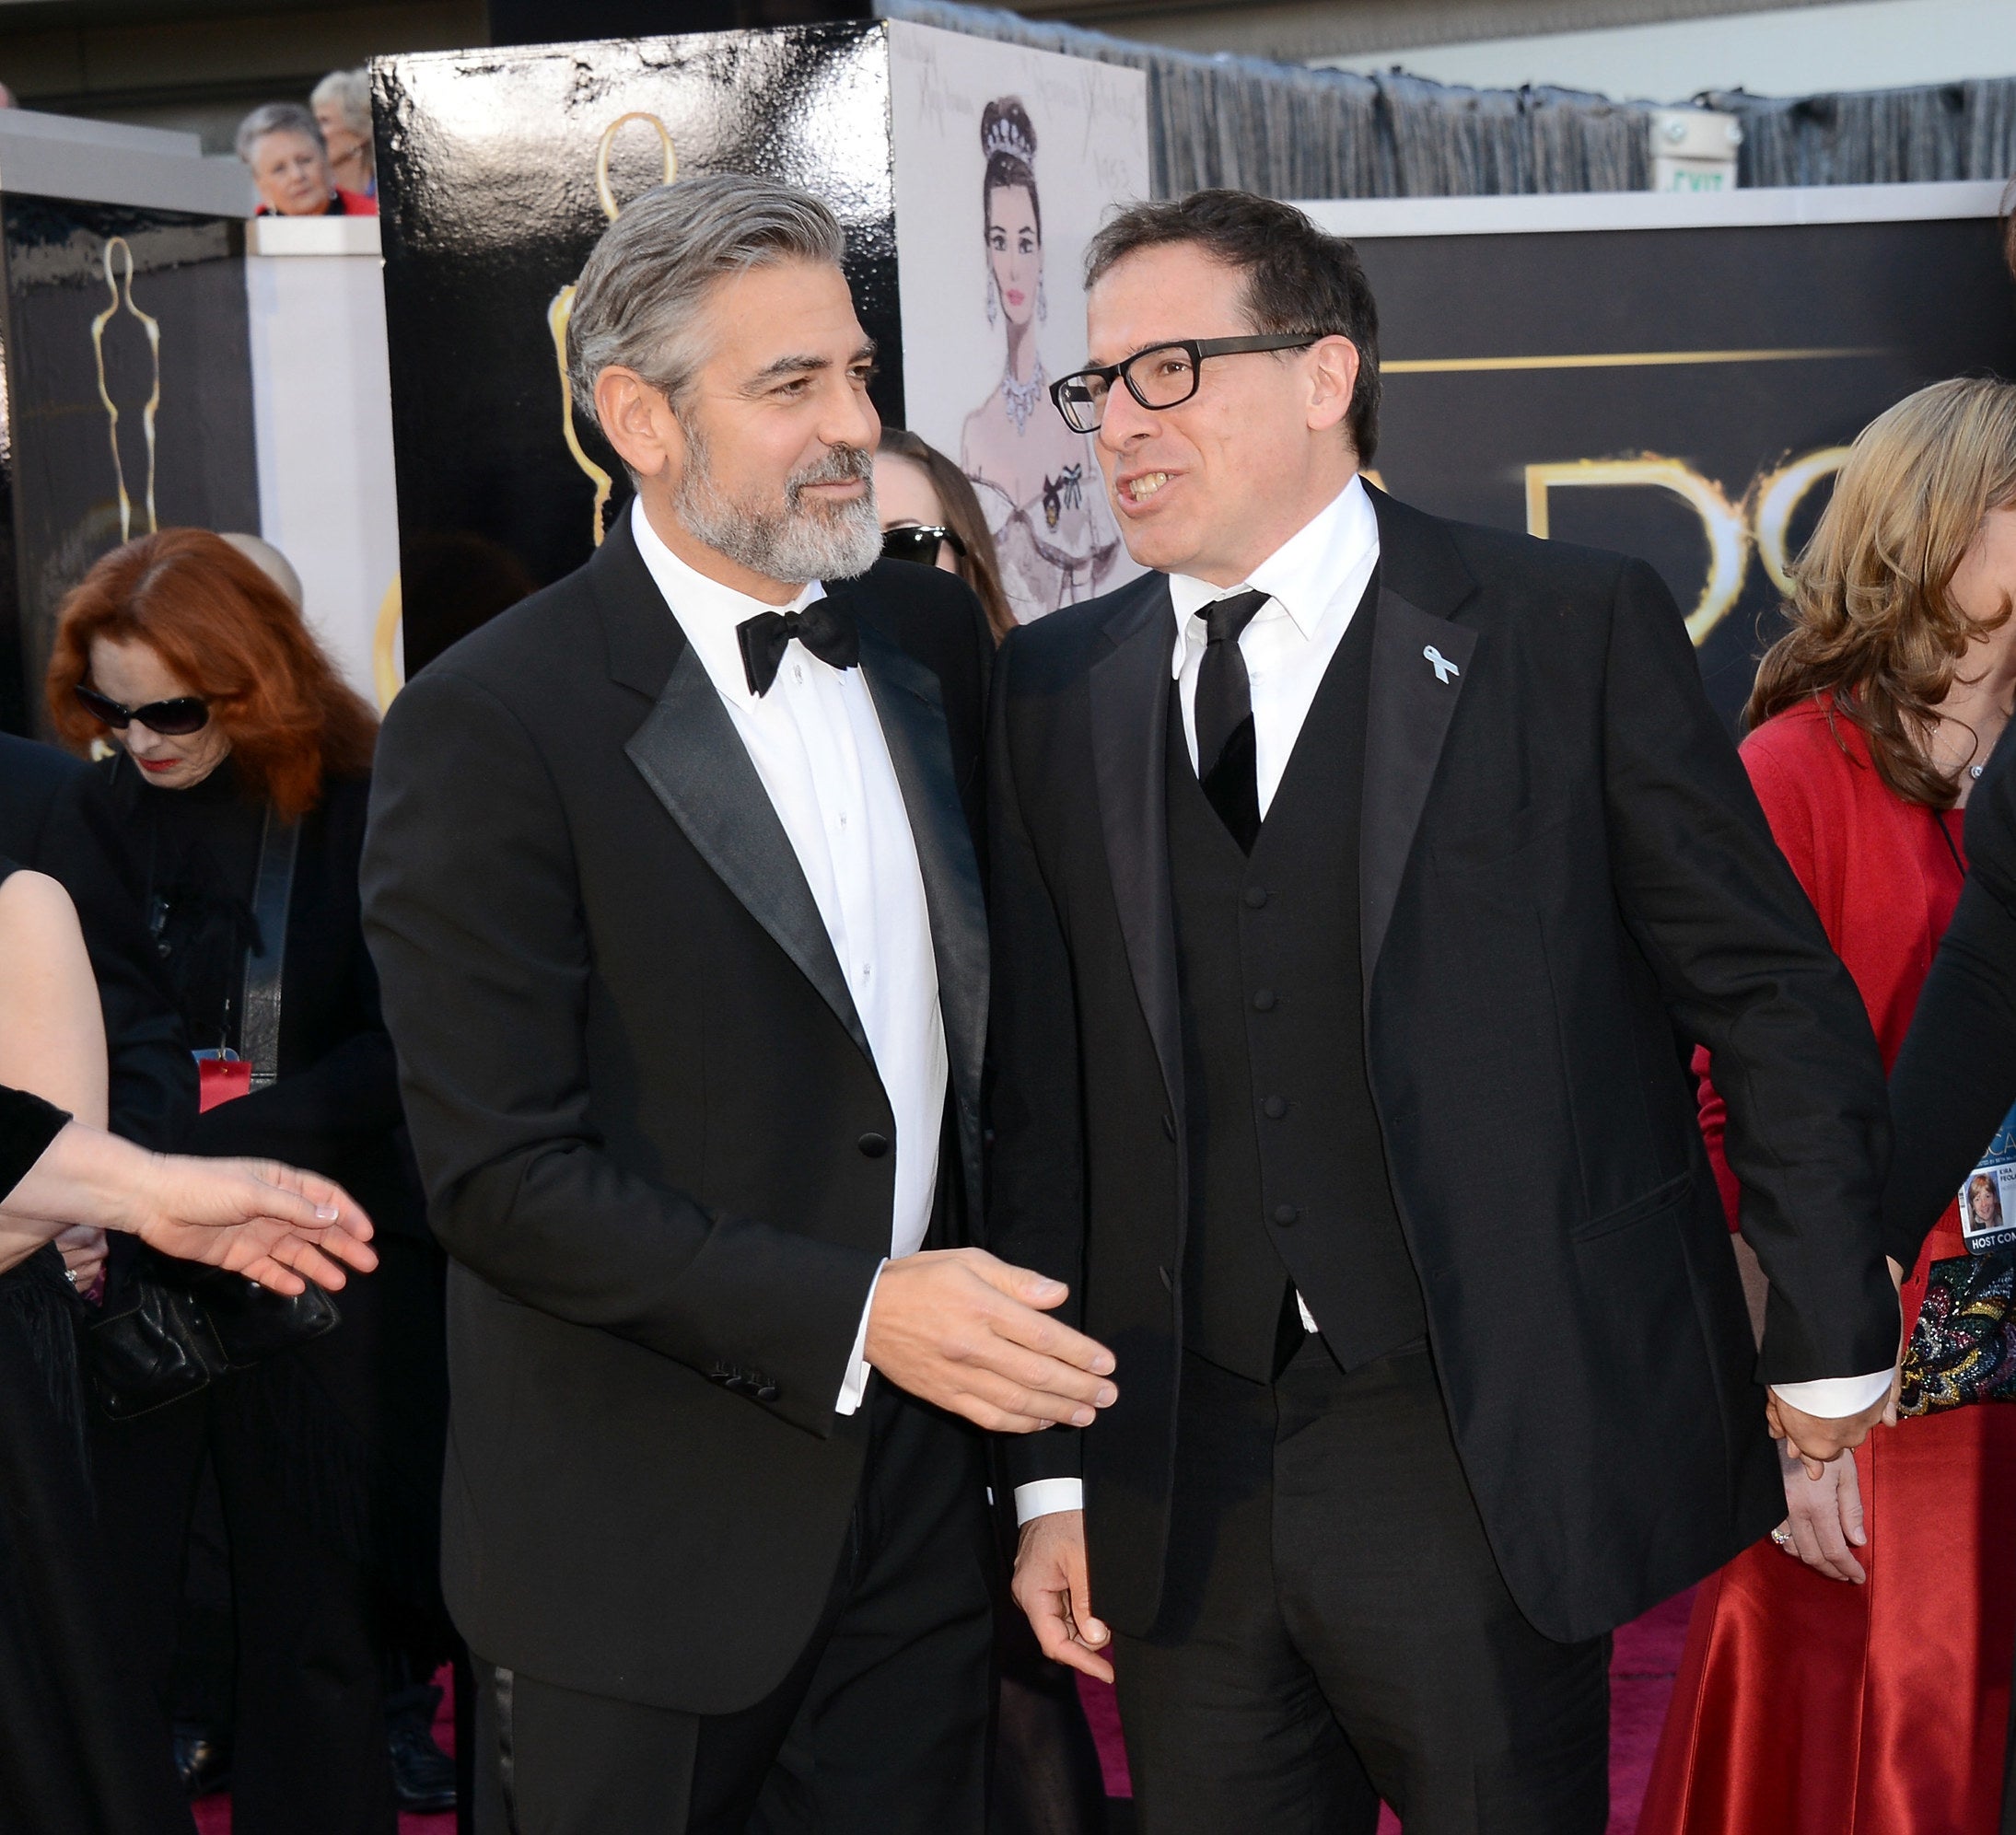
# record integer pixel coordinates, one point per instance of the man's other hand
(967, 1332)
(1817, 1438)
(1050, 1587)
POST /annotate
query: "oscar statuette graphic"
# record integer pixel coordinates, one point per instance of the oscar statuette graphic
(115, 248)
(562, 309)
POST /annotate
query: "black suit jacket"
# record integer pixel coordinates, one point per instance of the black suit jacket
(1561, 861)
(639, 1089)
(49, 820)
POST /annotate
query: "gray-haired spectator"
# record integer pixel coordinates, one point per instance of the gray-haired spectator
(283, 147)
(342, 101)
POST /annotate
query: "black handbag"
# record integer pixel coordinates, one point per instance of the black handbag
(172, 1327)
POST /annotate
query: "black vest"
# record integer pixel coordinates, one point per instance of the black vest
(1287, 1171)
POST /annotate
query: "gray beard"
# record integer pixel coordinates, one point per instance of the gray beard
(791, 541)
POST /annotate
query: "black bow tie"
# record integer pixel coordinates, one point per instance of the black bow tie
(827, 633)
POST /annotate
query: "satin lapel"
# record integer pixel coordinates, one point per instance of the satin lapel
(1128, 691)
(911, 708)
(1412, 700)
(695, 763)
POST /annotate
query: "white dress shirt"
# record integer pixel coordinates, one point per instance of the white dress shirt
(1314, 582)
(819, 748)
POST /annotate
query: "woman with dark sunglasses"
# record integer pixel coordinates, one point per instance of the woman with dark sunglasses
(236, 783)
(930, 514)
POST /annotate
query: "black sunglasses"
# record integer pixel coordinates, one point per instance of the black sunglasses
(919, 542)
(1163, 376)
(172, 719)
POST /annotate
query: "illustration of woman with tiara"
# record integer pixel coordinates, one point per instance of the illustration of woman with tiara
(1038, 482)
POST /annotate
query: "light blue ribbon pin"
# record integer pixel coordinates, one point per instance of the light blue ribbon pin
(1444, 668)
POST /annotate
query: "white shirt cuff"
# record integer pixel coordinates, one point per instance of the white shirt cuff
(1046, 1497)
(1835, 1398)
(856, 1385)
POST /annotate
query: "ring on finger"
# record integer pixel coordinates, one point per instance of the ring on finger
(1782, 1536)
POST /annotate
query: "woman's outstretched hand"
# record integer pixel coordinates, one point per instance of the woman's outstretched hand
(272, 1224)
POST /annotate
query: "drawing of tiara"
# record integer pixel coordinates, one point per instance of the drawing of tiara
(1004, 137)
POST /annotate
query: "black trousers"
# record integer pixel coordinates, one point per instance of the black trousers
(1335, 1630)
(309, 1747)
(880, 1727)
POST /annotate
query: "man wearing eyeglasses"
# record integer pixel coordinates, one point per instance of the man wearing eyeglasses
(1354, 874)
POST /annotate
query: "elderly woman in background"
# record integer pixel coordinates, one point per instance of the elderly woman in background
(239, 787)
(1850, 1676)
(284, 150)
(341, 102)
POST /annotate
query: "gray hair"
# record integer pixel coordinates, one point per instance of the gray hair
(276, 118)
(640, 297)
(350, 91)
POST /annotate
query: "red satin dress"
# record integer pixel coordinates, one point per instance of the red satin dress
(1806, 1706)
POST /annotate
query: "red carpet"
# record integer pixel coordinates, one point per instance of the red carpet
(1642, 1666)
(1641, 1676)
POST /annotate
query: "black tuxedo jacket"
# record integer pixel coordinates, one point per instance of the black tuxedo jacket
(1561, 863)
(641, 1099)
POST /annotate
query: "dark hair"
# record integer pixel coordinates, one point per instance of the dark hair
(979, 567)
(1298, 278)
(1008, 139)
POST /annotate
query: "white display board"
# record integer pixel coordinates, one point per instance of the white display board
(989, 283)
(322, 407)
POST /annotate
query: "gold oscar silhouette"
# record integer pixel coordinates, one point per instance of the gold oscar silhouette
(115, 248)
(562, 309)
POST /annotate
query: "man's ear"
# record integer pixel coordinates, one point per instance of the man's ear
(638, 421)
(1333, 380)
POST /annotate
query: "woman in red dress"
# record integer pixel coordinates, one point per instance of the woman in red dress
(1850, 1676)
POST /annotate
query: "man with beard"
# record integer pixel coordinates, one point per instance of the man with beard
(672, 889)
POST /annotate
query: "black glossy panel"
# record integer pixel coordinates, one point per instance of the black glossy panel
(73, 333)
(1902, 304)
(487, 165)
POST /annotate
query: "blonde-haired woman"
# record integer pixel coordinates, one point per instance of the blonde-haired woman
(1850, 1676)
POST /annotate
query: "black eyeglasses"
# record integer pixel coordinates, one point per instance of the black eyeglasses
(1163, 376)
(172, 719)
(919, 542)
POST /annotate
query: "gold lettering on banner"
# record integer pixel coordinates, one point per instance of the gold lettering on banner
(562, 309)
(1721, 522)
(1775, 497)
(117, 246)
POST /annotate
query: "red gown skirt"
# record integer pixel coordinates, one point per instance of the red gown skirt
(1808, 1706)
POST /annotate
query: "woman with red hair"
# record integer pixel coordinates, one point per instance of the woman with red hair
(236, 786)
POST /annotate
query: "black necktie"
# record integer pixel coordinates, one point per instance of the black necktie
(827, 633)
(1225, 719)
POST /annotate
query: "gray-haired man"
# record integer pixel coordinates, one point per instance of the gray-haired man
(671, 885)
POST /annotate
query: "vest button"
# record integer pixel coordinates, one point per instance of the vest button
(873, 1146)
(1263, 1000)
(1256, 896)
(1275, 1107)
(1285, 1214)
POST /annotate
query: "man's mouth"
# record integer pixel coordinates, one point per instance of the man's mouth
(1140, 489)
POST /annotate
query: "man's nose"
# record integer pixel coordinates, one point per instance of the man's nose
(1122, 419)
(851, 419)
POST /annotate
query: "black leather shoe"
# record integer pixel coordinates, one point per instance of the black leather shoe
(423, 1775)
(202, 1757)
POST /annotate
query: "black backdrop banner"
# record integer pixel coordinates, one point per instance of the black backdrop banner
(1684, 394)
(497, 172)
(128, 404)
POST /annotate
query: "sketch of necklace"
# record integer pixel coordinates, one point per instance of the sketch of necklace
(119, 245)
(1021, 397)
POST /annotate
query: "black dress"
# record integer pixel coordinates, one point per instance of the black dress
(74, 1758)
(328, 1455)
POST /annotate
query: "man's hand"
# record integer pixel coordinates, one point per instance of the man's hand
(1817, 1439)
(1050, 1587)
(965, 1332)
(1823, 1516)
